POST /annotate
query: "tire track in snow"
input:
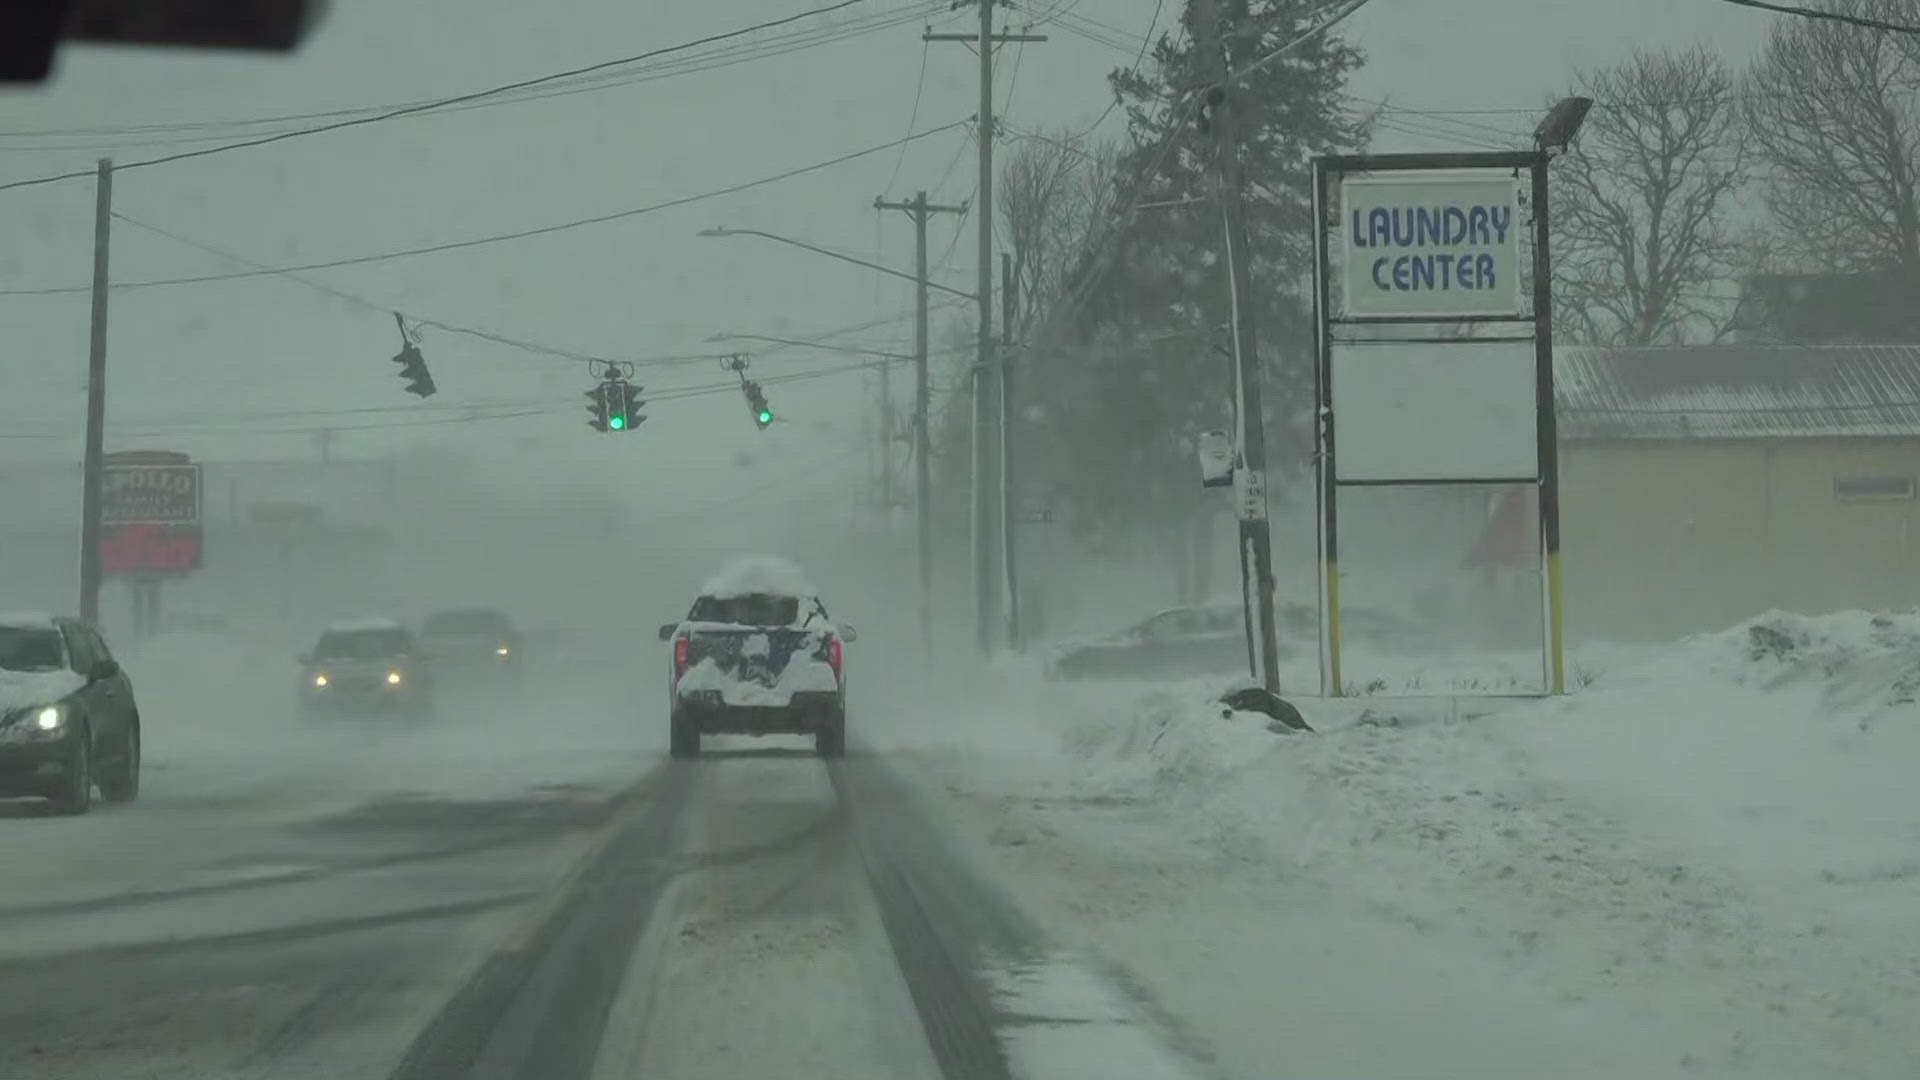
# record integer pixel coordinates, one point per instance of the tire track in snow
(996, 999)
(538, 1006)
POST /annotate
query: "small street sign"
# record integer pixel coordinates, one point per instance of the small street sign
(1249, 495)
(1216, 459)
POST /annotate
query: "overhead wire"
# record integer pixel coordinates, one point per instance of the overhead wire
(804, 36)
(1113, 101)
(457, 245)
(691, 64)
(913, 116)
(1835, 16)
(476, 413)
(441, 103)
(472, 331)
(359, 300)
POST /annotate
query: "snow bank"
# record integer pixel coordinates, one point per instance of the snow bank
(1705, 852)
(1179, 737)
(763, 575)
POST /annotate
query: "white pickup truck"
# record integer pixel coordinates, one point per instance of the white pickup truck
(758, 655)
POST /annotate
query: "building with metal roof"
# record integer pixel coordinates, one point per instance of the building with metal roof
(1701, 486)
(1739, 392)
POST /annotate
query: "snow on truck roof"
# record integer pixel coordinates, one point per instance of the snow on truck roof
(759, 576)
(35, 620)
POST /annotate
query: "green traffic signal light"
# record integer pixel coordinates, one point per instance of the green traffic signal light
(766, 416)
(617, 422)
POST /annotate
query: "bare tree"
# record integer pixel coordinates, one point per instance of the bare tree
(1057, 198)
(1832, 112)
(1641, 218)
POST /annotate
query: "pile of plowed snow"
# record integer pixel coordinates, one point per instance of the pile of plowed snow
(1707, 849)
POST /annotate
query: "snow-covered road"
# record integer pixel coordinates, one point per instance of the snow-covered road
(523, 887)
(1701, 864)
(287, 899)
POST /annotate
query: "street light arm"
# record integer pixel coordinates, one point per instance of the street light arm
(721, 231)
(851, 350)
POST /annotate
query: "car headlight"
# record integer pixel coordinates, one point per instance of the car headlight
(48, 718)
(320, 679)
(393, 678)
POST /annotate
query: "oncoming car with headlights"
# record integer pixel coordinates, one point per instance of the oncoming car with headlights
(473, 645)
(365, 665)
(67, 716)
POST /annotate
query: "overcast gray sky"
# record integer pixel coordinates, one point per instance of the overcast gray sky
(249, 353)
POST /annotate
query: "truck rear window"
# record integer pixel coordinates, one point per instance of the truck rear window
(755, 610)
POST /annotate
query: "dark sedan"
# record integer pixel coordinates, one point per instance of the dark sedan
(1182, 642)
(474, 643)
(68, 721)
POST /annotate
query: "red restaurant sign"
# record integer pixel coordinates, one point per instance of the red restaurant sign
(150, 513)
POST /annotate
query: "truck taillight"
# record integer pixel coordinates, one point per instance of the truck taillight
(833, 654)
(679, 654)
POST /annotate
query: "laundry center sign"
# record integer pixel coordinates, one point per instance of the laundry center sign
(1433, 247)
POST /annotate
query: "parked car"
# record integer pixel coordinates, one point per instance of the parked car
(68, 720)
(1210, 639)
(477, 643)
(1177, 643)
(757, 654)
(365, 665)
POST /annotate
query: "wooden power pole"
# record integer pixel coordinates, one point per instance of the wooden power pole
(985, 374)
(1256, 542)
(919, 210)
(91, 468)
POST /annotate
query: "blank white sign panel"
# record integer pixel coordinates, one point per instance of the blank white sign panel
(1416, 410)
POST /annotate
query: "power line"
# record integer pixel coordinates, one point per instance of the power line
(444, 102)
(959, 230)
(356, 299)
(913, 117)
(1835, 16)
(456, 328)
(478, 413)
(698, 62)
(1146, 42)
(692, 64)
(361, 260)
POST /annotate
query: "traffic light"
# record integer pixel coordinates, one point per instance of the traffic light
(413, 368)
(598, 407)
(757, 401)
(629, 405)
(616, 405)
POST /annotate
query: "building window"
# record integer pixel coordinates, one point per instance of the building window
(1873, 487)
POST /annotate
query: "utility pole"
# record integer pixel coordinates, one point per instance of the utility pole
(886, 446)
(1256, 542)
(919, 209)
(984, 373)
(96, 402)
(1009, 293)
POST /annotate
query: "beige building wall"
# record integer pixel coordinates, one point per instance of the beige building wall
(1660, 539)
